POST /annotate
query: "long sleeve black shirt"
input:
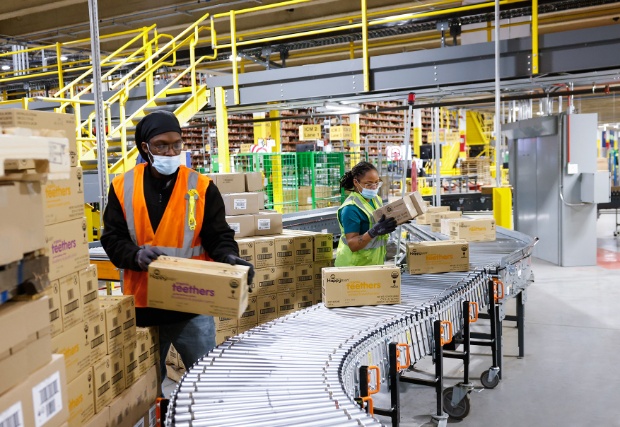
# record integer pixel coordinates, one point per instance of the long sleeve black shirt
(216, 236)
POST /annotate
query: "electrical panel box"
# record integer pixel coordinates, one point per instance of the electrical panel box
(595, 187)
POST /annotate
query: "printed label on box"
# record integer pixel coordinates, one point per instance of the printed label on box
(264, 224)
(240, 204)
(235, 226)
(140, 423)
(47, 399)
(14, 416)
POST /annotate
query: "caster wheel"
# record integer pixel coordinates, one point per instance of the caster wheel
(458, 412)
(484, 379)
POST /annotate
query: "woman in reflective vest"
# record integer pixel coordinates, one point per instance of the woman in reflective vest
(362, 239)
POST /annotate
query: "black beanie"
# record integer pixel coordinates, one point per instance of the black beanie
(154, 124)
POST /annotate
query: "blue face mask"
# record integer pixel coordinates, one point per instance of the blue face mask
(166, 165)
(369, 194)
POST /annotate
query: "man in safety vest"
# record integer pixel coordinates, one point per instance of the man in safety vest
(362, 240)
(162, 208)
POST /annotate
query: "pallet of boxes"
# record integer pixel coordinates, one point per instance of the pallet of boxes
(88, 335)
(287, 263)
(376, 284)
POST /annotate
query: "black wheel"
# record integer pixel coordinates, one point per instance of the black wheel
(460, 410)
(484, 379)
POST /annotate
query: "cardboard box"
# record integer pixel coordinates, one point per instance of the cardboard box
(318, 294)
(39, 400)
(53, 294)
(323, 246)
(287, 303)
(95, 328)
(103, 383)
(285, 278)
(41, 123)
(89, 290)
(418, 202)
(249, 318)
(318, 267)
(229, 182)
(113, 312)
(284, 250)
(305, 298)
(265, 280)
(424, 219)
(222, 323)
(101, 419)
(246, 249)
(241, 203)
(143, 353)
(267, 223)
(132, 365)
(437, 256)
(129, 408)
(81, 395)
(152, 334)
(473, 230)
(194, 286)
(242, 224)
(402, 210)
(70, 300)
(436, 217)
(264, 252)
(368, 285)
(67, 247)
(74, 345)
(305, 195)
(304, 246)
(128, 315)
(25, 345)
(224, 334)
(117, 372)
(254, 182)
(267, 306)
(304, 276)
(63, 199)
(21, 211)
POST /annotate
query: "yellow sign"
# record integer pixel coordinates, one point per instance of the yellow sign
(340, 133)
(309, 132)
(245, 148)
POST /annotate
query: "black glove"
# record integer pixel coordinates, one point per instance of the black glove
(147, 255)
(384, 226)
(233, 259)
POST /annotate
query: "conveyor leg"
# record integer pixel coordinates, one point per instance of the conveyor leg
(521, 324)
(438, 370)
(498, 341)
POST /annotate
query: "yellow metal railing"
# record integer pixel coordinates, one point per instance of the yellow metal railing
(361, 22)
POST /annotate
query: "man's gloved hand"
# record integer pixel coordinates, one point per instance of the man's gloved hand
(147, 255)
(233, 259)
(384, 226)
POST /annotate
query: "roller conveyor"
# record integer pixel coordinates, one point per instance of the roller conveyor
(303, 368)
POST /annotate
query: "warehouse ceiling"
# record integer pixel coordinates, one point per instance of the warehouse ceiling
(43, 22)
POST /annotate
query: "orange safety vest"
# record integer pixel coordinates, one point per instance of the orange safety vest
(178, 233)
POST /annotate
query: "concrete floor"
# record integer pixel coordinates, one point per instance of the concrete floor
(569, 376)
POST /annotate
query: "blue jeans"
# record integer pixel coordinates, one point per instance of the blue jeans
(192, 339)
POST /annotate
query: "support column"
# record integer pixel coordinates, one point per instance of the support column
(417, 131)
(462, 133)
(354, 120)
(274, 130)
(221, 125)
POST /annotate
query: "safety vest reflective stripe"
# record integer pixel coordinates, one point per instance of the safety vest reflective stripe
(128, 204)
(180, 252)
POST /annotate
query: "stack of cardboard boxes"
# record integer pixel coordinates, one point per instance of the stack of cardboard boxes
(244, 201)
(92, 341)
(33, 382)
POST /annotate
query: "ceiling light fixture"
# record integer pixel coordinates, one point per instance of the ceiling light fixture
(63, 58)
(230, 58)
(339, 108)
(6, 67)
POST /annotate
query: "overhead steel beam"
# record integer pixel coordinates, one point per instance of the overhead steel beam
(565, 52)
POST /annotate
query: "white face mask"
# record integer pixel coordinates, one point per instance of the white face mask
(165, 165)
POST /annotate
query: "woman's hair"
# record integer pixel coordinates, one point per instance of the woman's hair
(358, 171)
